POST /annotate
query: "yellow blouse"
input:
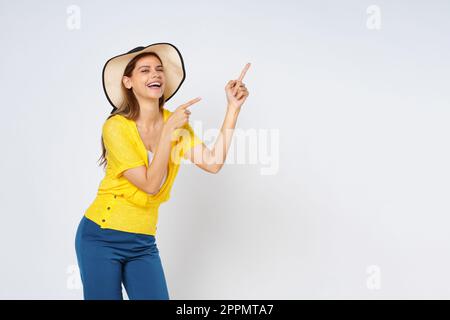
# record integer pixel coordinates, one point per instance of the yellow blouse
(119, 204)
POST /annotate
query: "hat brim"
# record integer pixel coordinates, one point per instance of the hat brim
(173, 69)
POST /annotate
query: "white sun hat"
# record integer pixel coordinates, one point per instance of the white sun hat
(173, 70)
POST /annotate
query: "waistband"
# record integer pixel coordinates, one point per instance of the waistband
(113, 211)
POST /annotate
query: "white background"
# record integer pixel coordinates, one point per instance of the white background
(362, 114)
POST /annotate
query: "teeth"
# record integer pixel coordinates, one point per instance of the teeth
(159, 84)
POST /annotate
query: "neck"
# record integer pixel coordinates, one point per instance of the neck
(149, 115)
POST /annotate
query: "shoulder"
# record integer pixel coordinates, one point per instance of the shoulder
(116, 123)
(166, 113)
(117, 118)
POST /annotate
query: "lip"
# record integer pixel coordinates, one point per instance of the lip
(155, 88)
(161, 84)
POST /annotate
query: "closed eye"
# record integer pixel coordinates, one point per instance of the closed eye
(146, 70)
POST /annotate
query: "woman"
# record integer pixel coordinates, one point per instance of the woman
(142, 144)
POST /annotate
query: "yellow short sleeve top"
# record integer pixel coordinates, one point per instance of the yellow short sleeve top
(119, 204)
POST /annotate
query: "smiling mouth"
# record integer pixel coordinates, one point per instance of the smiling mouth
(155, 85)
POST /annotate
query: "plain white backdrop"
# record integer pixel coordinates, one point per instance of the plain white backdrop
(357, 91)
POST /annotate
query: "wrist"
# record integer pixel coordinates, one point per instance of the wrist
(167, 132)
(167, 129)
(232, 110)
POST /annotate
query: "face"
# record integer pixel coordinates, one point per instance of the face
(147, 71)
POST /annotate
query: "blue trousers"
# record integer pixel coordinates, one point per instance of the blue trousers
(107, 258)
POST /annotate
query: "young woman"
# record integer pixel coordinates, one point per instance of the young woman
(142, 144)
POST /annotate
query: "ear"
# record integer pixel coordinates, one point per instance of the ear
(126, 82)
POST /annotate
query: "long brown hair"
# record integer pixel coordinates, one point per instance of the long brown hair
(129, 108)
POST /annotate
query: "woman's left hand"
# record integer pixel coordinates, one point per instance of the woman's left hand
(236, 91)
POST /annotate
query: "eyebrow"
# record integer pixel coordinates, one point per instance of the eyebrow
(159, 65)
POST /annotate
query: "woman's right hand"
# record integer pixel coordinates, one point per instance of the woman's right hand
(180, 116)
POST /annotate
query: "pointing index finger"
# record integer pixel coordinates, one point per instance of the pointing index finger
(191, 102)
(244, 71)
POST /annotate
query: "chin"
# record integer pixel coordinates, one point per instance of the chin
(153, 96)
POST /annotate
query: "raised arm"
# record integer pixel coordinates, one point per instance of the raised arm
(212, 160)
